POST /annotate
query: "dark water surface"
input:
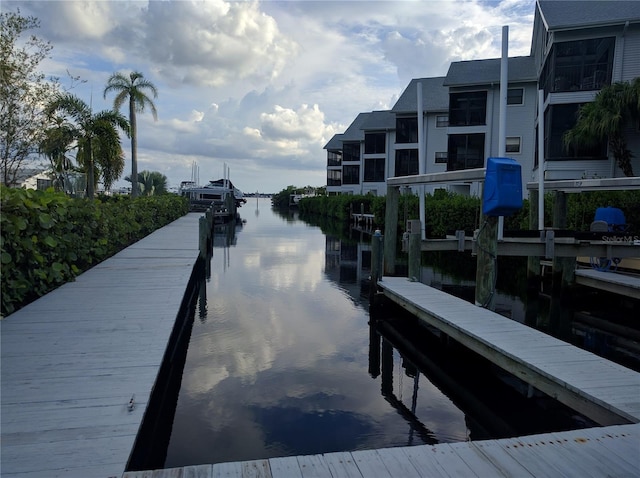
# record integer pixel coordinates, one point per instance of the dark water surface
(283, 360)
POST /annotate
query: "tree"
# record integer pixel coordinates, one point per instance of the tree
(151, 183)
(56, 144)
(132, 88)
(615, 107)
(23, 92)
(96, 138)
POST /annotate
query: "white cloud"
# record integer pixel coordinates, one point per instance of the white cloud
(263, 86)
(214, 43)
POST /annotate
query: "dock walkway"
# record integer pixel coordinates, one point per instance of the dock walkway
(615, 282)
(590, 453)
(73, 359)
(602, 390)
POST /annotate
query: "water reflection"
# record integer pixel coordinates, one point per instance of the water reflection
(280, 364)
(287, 360)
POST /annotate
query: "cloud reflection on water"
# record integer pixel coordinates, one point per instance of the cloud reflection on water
(282, 350)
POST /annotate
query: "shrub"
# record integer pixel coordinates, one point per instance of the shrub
(48, 238)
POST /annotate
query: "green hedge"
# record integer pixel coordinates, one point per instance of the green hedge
(48, 238)
(445, 212)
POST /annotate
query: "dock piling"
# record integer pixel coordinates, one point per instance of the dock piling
(415, 244)
(377, 242)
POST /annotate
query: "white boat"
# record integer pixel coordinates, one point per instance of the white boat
(216, 193)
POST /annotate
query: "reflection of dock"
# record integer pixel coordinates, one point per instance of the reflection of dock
(596, 452)
(605, 392)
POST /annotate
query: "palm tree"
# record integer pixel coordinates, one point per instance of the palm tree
(151, 183)
(95, 135)
(56, 144)
(614, 107)
(132, 88)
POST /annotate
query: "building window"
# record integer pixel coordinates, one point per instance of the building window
(351, 174)
(374, 170)
(374, 143)
(559, 119)
(43, 184)
(351, 151)
(442, 121)
(441, 157)
(513, 144)
(406, 162)
(466, 151)
(334, 177)
(407, 130)
(581, 65)
(468, 108)
(515, 96)
(334, 158)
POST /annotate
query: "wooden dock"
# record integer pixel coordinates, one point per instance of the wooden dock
(604, 391)
(591, 453)
(615, 282)
(73, 360)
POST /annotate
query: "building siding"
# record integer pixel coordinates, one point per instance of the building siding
(630, 67)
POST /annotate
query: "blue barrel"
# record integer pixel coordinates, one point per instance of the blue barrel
(502, 194)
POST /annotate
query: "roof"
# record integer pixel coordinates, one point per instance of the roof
(335, 143)
(379, 120)
(566, 15)
(435, 97)
(354, 131)
(483, 72)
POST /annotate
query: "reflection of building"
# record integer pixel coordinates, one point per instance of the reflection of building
(348, 263)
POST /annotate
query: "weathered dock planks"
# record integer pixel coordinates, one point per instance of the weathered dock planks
(606, 392)
(591, 453)
(609, 281)
(73, 359)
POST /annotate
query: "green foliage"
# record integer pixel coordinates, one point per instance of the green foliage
(132, 88)
(446, 212)
(23, 89)
(96, 137)
(48, 238)
(616, 107)
(150, 183)
(281, 199)
(581, 208)
(339, 207)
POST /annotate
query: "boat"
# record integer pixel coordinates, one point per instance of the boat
(220, 193)
(611, 223)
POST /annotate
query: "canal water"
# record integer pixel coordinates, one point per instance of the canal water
(286, 359)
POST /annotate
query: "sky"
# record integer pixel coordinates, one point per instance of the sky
(262, 86)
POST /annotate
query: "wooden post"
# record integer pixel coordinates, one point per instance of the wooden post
(562, 278)
(387, 368)
(202, 237)
(374, 350)
(533, 266)
(415, 243)
(376, 261)
(391, 229)
(486, 269)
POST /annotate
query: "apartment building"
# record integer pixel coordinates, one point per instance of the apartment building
(474, 108)
(577, 48)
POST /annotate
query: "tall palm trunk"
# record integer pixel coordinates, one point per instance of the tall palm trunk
(134, 148)
(89, 173)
